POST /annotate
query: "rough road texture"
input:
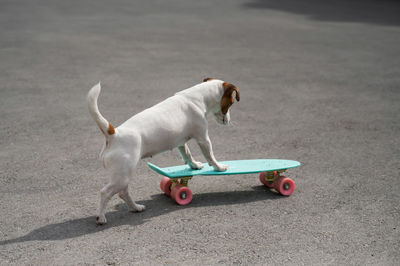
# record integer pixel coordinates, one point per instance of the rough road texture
(319, 84)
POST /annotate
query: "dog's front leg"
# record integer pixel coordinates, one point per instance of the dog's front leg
(206, 149)
(188, 158)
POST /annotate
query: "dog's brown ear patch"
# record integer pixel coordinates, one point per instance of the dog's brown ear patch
(111, 129)
(207, 79)
(227, 99)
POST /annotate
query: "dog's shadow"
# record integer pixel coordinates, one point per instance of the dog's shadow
(158, 205)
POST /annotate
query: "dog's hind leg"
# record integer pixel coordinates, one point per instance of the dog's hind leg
(124, 194)
(122, 167)
(106, 194)
(188, 158)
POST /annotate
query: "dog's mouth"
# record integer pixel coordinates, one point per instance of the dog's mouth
(221, 119)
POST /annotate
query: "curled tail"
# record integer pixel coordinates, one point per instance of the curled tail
(103, 124)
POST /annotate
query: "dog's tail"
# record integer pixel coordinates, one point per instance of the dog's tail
(103, 124)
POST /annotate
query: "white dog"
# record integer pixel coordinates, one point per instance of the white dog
(165, 126)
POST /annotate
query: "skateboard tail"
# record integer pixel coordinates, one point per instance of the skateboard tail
(158, 170)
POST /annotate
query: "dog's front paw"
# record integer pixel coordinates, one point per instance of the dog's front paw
(101, 219)
(196, 165)
(139, 208)
(220, 167)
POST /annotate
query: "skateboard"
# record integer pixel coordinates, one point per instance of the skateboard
(175, 182)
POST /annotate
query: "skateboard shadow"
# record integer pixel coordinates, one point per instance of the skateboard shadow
(157, 206)
(383, 12)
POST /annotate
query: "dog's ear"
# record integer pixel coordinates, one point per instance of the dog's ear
(227, 99)
(207, 79)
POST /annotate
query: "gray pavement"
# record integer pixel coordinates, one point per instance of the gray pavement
(319, 84)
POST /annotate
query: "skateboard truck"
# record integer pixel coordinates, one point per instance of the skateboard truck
(180, 181)
(184, 180)
(271, 176)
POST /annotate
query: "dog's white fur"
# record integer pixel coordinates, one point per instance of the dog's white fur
(165, 126)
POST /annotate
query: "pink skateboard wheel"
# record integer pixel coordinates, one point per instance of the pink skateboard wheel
(264, 181)
(284, 185)
(182, 195)
(165, 186)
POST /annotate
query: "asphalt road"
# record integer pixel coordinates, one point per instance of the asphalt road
(319, 82)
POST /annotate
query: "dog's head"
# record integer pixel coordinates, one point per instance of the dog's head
(229, 93)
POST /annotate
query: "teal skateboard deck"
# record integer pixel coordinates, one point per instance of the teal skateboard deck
(175, 182)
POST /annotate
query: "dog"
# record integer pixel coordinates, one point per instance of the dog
(167, 125)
